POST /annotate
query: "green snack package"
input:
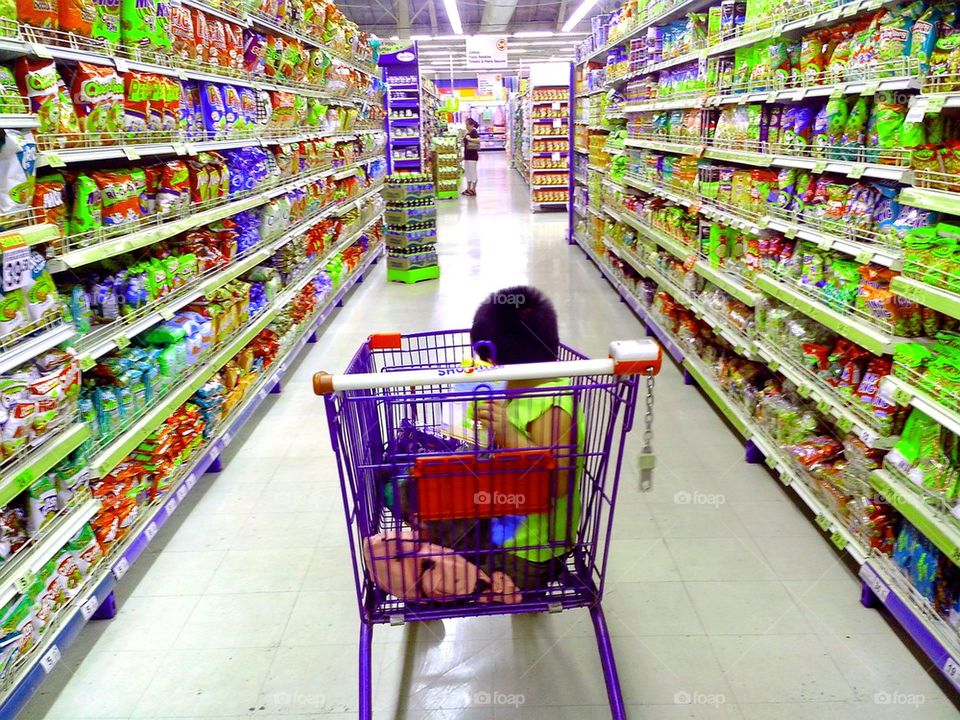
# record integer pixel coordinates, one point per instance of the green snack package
(944, 63)
(893, 27)
(138, 24)
(86, 213)
(8, 10)
(890, 117)
(41, 503)
(106, 22)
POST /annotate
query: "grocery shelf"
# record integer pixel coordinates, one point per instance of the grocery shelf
(97, 591)
(25, 348)
(938, 200)
(121, 446)
(19, 570)
(937, 640)
(940, 526)
(28, 235)
(704, 378)
(727, 283)
(658, 105)
(933, 297)
(106, 337)
(156, 232)
(902, 392)
(826, 397)
(863, 252)
(633, 303)
(37, 462)
(18, 121)
(864, 334)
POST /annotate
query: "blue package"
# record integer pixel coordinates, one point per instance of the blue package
(213, 110)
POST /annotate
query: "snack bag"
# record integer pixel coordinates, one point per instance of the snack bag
(170, 90)
(121, 193)
(233, 111)
(254, 51)
(77, 16)
(138, 24)
(37, 81)
(183, 39)
(155, 110)
(86, 212)
(106, 24)
(95, 92)
(213, 110)
(43, 302)
(39, 13)
(893, 28)
(217, 52)
(923, 37)
(174, 191)
(201, 35)
(235, 45)
(138, 89)
(161, 29)
(49, 202)
(18, 162)
(248, 107)
(13, 322)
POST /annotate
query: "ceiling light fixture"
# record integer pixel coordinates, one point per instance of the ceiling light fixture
(423, 38)
(578, 14)
(534, 33)
(453, 15)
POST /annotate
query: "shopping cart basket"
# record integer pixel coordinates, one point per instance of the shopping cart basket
(445, 522)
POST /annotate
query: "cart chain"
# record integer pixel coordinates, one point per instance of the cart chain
(647, 460)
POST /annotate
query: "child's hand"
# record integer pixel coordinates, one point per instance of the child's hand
(493, 416)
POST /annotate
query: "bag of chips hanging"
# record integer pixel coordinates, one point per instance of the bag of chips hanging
(97, 95)
(39, 13)
(18, 162)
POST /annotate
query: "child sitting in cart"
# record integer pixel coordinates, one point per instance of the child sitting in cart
(511, 326)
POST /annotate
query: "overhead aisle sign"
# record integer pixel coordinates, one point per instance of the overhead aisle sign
(486, 51)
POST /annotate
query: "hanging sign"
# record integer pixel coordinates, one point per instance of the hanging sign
(486, 51)
(489, 86)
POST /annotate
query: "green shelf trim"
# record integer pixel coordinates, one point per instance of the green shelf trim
(905, 393)
(933, 297)
(717, 395)
(29, 235)
(40, 461)
(873, 339)
(726, 283)
(943, 531)
(937, 200)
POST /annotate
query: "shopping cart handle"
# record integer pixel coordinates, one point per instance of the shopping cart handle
(627, 357)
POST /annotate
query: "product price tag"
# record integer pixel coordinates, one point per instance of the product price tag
(41, 51)
(53, 159)
(784, 478)
(791, 232)
(50, 659)
(171, 506)
(121, 65)
(16, 268)
(845, 424)
(916, 476)
(89, 607)
(191, 480)
(798, 95)
(952, 670)
(823, 406)
(773, 365)
(24, 582)
(870, 88)
(182, 74)
(917, 110)
(838, 539)
(819, 167)
(182, 492)
(824, 243)
(803, 391)
(86, 362)
(151, 530)
(877, 586)
(122, 341)
(555, 105)
(555, 157)
(166, 313)
(120, 568)
(772, 96)
(24, 479)
(856, 170)
(935, 104)
(770, 460)
(864, 256)
(838, 92)
(850, 9)
(557, 124)
(823, 521)
(130, 153)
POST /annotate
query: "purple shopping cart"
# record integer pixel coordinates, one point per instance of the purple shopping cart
(454, 510)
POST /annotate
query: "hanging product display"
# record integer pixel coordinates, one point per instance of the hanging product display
(448, 165)
(520, 133)
(781, 208)
(411, 228)
(179, 211)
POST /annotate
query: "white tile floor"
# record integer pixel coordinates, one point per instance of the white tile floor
(245, 607)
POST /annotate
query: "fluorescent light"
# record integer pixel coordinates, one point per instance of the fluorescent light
(514, 51)
(420, 37)
(453, 15)
(578, 14)
(534, 33)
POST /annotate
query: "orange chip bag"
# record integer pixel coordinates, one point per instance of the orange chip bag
(48, 199)
(39, 13)
(218, 54)
(184, 40)
(201, 34)
(234, 41)
(77, 16)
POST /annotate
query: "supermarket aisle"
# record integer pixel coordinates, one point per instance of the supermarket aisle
(723, 601)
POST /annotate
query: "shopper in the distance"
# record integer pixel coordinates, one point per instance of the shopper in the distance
(471, 153)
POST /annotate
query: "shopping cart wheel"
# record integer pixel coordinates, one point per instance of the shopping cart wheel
(614, 694)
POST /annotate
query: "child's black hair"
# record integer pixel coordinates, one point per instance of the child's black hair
(521, 324)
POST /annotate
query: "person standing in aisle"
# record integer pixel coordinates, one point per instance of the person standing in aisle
(471, 153)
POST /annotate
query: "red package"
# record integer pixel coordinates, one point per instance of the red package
(48, 199)
(218, 53)
(97, 95)
(185, 43)
(234, 43)
(153, 174)
(39, 13)
(201, 34)
(138, 90)
(174, 191)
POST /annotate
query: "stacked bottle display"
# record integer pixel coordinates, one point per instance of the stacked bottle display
(548, 116)
(411, 228)
(781, 207)
(448, 165)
